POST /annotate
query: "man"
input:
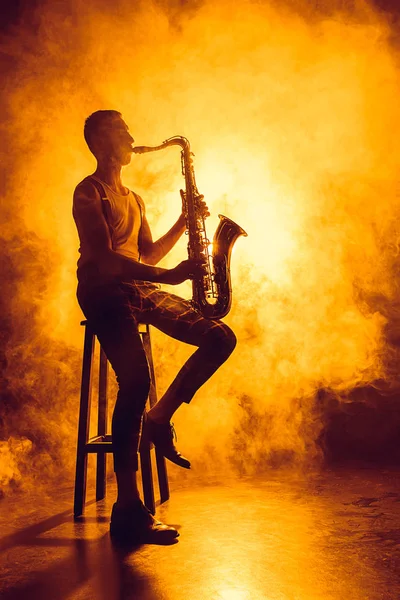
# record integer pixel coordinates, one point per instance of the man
(117, 289)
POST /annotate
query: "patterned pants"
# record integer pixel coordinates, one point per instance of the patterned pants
(114, 312)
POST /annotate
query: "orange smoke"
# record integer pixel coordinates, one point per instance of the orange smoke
(292, 120)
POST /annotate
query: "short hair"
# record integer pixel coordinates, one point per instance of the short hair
(94, 122)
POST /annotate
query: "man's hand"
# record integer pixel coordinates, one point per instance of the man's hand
(187, 269)
(201, 206)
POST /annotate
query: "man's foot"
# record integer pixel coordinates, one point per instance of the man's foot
(162, 436)
(136, 525)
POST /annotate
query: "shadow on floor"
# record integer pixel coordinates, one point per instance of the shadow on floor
(60, 566)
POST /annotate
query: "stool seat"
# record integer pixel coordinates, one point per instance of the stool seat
(101, 444)
(143, 327)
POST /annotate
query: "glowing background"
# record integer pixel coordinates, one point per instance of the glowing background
(293, 119)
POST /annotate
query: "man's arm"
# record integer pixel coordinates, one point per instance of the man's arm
(92, 225)
(153, 252)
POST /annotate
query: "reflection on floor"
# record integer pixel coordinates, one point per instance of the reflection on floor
(332, 536)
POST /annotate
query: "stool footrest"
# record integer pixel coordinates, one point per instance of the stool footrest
(100, 443)
(103, 443)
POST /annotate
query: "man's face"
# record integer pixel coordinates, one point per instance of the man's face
(115, 141)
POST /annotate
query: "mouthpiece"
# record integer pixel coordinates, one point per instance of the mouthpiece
(140, 149)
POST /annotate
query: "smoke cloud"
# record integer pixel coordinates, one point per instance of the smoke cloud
(291, 114)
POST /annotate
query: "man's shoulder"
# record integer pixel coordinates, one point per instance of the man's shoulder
(138, 198)
(86, 197)
(86, 188)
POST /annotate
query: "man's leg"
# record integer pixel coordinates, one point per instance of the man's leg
(116, 328)
(114, 322)
(123, 347)
(215, 340)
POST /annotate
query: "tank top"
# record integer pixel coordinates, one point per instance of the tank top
(123, 215)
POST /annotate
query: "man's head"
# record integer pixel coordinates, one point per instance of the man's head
(108, 137)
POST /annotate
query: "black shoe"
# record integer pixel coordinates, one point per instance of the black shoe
(136, 525)
(162, 435)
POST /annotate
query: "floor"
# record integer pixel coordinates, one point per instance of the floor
(328, 536)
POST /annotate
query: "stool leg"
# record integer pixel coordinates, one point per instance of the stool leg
(160, 460)
(101, 469)
(83, 426)
(162, 476)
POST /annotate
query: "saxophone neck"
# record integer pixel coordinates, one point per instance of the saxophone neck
(176, 140)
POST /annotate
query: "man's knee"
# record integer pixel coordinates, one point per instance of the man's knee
(230, 340)
(224, 339)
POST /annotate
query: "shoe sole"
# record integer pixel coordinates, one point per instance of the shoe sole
(157, 537)
(175, 463)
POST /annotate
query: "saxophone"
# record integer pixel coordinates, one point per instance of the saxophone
(212, 293)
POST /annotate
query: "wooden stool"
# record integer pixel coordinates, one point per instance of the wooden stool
(101, 444)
